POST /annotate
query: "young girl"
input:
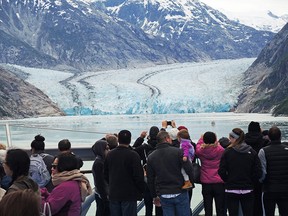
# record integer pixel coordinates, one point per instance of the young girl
(188, 153)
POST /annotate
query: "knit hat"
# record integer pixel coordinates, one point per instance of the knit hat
(254, 127)
(173, 133)
(182, 127)
(209, 137)
(224, 142)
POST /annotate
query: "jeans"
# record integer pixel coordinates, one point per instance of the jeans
(179, 205)
(270, 200)
(123, 208)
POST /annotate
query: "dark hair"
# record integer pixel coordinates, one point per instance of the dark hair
(20, 202)
(153, 131)
(162, 136)
(64, 145)
(254, 127)
(38, 143)
(66, 162)
(99, 148)
(209, 137)
(124, 137)
(240, 139)
(18, 161)
(274, 134)
(184, 134)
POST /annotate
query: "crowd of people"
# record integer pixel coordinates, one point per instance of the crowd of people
(243, 172)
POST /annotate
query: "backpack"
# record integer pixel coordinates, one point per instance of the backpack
(38, 170)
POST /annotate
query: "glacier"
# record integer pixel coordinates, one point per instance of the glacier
(165, 89)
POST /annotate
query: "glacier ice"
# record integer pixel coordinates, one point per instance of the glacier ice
(167, 89)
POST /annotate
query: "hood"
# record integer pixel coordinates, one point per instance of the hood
(99, 148)
(253, 138)
(210, 151)
(242, 148)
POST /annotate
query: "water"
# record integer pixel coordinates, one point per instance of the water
(85, 130)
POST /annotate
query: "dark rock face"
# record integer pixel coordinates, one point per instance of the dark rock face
(266, 80)
(19, 99)
(74, 34)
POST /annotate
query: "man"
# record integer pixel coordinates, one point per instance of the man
(274, 160)
(64, 146)
(124, 174)
(165, 179)
(255, 139)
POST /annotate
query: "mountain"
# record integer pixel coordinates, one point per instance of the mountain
(19, 99)
(81, 35)
(266, 80)
(191, 24)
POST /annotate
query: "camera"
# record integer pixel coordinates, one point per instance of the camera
(168, 122)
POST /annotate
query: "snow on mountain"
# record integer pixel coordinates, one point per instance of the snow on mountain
(262, 20)
(261, 15)
(176, 88)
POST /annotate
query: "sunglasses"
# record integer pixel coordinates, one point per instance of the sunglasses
(54, 166)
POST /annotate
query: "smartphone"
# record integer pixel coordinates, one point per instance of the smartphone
(168, 122)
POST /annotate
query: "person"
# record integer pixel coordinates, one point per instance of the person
(112, 141)
(224, 142)
(64, 145)
(188, 154)
(21, 203)
(71, 186)
(16, 165)
(255, 139)
(124, 173)
(239, 168)
(165, 179)
(4, 179)
(100, 149)
(144, 149)
(38, 147)
(274, 161)
(209, 151)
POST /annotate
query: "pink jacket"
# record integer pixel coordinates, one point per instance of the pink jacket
(65, 192)
(209, 156)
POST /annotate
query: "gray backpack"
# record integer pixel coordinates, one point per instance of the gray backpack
(38, 170)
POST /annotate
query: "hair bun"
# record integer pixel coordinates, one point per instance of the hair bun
(39, 138)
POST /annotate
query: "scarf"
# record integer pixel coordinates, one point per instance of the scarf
(75, 175)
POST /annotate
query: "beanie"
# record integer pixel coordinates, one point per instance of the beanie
(209, 137)
(182, 127)
(173, 133)
(254, 127)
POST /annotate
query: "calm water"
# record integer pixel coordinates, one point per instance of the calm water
(85, 130)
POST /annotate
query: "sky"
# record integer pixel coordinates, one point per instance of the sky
(278, 7)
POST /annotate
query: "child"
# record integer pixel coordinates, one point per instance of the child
(188, 150)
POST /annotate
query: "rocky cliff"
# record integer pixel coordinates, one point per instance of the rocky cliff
(19, 99)
(266, 81)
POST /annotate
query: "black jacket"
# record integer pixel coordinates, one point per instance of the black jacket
(164, 170)
(240, 167)
(256, 140)
(274, 159)
(124, 173)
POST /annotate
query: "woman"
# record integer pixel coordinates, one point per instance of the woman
(209, 151)
(71, 187)
(16, 165)
(21, 203)
(100, 149)
(239, 168)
